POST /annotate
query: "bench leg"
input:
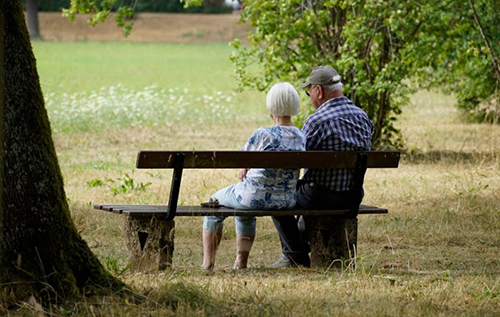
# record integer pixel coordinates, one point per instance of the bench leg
(150, 242)
(333, 241)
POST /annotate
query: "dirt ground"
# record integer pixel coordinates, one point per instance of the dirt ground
(148, 27)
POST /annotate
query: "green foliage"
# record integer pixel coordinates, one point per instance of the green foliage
(128, 184)
(122, 185)
(463, 63)
(116, 267)
(366, 41)
(100, 9)
(96, 182)
(378, 47)
(489, 294)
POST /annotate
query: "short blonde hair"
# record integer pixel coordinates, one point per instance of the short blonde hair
(283, 100)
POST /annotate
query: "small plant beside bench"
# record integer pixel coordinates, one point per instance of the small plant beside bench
(149, 229)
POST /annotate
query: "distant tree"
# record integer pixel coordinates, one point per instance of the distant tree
(470, 69)
(367, 42)
(41, 252)
(32, 16)
(383, 50)
(486, 40)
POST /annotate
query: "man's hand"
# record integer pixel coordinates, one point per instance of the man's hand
(242, 174)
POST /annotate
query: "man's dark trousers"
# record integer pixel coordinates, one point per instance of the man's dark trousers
(293, 232)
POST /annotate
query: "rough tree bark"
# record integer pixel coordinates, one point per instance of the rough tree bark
(41, 252)
(32, 17)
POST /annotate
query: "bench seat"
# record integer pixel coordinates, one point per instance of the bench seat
(192, 211)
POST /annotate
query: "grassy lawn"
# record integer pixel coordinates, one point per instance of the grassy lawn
(92, 65)
(435, 253)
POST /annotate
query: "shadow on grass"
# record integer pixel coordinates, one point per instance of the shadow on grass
(452, 157)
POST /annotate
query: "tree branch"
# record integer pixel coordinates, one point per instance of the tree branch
(493, 59)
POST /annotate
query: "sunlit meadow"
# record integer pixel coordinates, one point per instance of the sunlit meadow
(117, 107)
(435, 254)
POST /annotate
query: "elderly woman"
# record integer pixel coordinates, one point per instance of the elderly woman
(259, 188)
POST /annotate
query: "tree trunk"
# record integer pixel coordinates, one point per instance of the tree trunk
(41, 253)
(32, 16)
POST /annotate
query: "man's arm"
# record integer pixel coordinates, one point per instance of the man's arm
(312, 133)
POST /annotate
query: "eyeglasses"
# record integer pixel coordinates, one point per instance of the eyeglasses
(307, 91)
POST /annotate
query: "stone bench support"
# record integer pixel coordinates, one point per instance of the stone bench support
(150, 241)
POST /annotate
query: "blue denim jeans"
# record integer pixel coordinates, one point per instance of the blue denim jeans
(245, 226)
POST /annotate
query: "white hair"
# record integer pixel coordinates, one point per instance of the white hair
(283, 100)
(334, 87)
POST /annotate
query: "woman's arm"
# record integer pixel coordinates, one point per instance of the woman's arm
(243, 173)
(253, 144)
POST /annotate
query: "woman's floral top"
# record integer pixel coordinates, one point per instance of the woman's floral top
(271, 188)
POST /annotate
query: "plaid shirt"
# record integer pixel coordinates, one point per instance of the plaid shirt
(337, 125)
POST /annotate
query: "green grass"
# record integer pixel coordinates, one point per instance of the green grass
(86, 66)
(435, 253)
(95, 86)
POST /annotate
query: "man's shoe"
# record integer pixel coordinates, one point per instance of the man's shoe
(282, 262)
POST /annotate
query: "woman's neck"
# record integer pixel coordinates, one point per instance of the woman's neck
(284, 121)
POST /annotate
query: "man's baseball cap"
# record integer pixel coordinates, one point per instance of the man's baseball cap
(322, 75)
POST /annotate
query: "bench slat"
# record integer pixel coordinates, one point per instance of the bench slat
(266, 159)
(187, 211)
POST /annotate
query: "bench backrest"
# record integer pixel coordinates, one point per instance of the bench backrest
(266, 159)
(178, 160)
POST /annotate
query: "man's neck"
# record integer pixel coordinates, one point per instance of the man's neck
(333, 94)
(329, 96)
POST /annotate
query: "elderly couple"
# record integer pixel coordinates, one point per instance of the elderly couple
(336, 125)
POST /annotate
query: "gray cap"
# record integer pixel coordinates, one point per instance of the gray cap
(322, 75)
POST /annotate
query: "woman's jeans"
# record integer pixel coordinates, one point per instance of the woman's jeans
(245, 226)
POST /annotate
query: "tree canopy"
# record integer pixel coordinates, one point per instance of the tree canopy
(383, 49)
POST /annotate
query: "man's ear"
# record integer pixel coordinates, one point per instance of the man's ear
(320, 92)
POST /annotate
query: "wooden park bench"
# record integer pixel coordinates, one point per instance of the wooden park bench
(149, 229)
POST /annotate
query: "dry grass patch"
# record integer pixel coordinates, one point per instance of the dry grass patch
(435, 253)
(148, 27)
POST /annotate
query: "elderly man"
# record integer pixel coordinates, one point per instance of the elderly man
(336, 125)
